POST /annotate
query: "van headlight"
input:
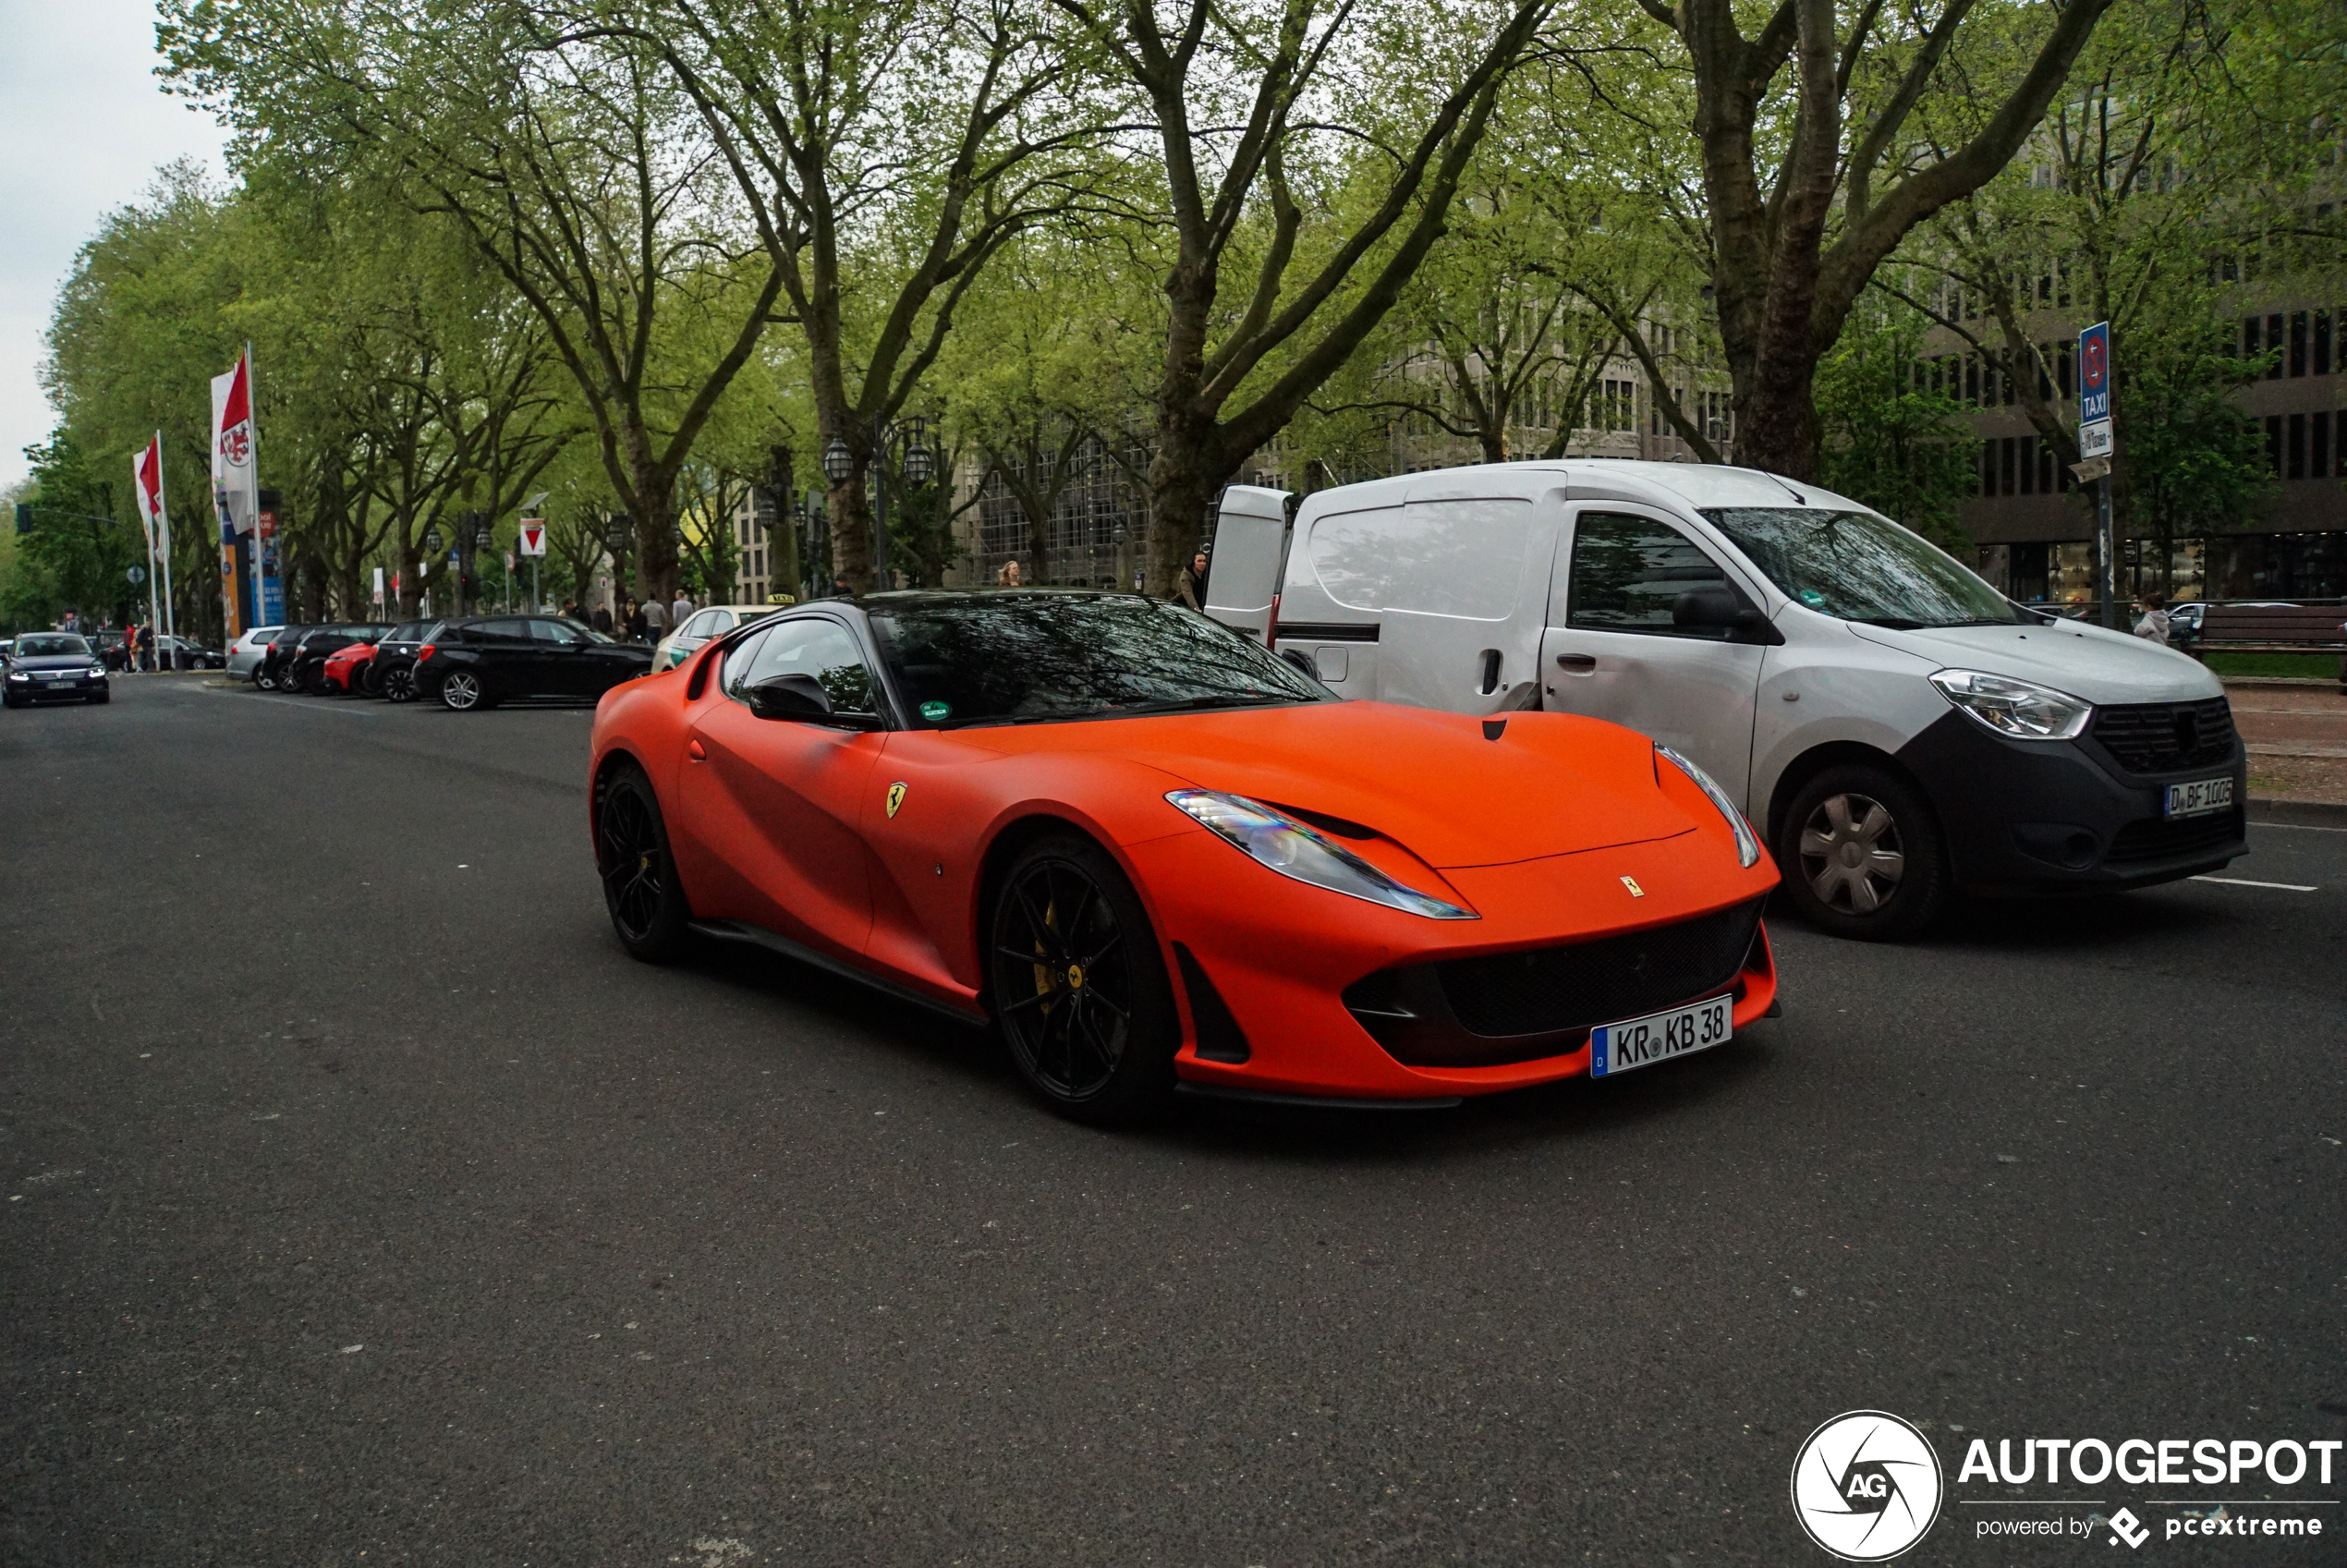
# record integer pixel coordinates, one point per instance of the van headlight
(2018, 709)
(1294, 849)
(1748, 844)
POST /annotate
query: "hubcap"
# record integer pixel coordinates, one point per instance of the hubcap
(633, 874)
(1851, 854)
(1067, 1018)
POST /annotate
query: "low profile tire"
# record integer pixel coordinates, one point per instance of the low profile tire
(399, 686)
(1862, 854)
(1078, 988)
(648, 910)
(463, 691)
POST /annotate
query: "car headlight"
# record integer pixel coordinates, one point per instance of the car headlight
(19, 675)
(97, 672)
(1748, 844)
(1292, 849)
(2019, 709)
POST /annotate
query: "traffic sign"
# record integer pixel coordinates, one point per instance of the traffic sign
(533, 535)
(2094, 391)
(136, 574)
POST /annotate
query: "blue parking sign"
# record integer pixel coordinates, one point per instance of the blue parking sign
(2093, 373)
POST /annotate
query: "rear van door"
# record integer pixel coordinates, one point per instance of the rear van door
(1611, 653)
(1250, 553)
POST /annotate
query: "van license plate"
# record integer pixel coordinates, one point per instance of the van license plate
(1640, 1042)
(2199, 797)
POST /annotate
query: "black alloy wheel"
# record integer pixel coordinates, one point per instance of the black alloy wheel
(648, 910)
(399, 684)
(1078, 986)
(1862, 855)
(463, 690)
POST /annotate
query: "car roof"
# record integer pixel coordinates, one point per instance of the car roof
(1694, 485)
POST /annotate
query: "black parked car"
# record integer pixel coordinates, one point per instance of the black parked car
(392, 672)
(53, 667)
(281, 650)
(480, 663)
(306, 671)
(185, 653)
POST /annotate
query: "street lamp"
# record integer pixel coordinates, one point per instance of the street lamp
(839, 463)
(919, 466)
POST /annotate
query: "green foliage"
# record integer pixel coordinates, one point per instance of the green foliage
(2195, 464)
(70, 559)
(1900, 449)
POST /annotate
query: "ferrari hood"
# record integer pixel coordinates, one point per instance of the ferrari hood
(1551, 784)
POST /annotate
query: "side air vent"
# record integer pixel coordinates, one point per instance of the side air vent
(1219, 1038)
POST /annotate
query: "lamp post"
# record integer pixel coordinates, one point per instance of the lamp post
(920, 468)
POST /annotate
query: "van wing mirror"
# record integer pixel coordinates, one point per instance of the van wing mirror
(1719, 608)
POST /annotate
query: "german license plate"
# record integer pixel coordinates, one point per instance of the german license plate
(1641, 1042)
(2199, 797)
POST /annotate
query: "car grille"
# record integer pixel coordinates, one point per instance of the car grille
(2160, 737)
(2155, 839)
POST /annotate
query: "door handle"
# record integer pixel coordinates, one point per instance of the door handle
(1578, 663)
(694, 752)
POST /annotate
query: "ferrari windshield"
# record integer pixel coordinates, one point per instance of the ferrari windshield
(1026, 658)
(1860, 567)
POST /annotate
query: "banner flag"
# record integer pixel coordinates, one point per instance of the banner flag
(378, 585)
(236, 483)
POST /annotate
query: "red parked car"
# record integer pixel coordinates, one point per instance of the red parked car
(347, 669)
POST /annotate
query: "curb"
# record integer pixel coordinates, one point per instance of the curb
(2297, 813)
(2316, 682)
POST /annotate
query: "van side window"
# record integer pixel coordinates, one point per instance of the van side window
(1628, 571)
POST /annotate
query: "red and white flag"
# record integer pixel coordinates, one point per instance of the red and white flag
(146, 483)
(236, 485)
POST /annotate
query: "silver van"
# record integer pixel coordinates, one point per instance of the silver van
(1897, 727)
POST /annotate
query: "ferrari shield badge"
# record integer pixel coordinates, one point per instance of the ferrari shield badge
(895, 796)
(1630, 882)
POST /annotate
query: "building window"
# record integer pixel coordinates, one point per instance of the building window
(2322, 343)
(2318, 445)
(2298, 343)
(1972, 381)
(2029, 465)
(2297, 446)
(2004, 466)
(2273, 446)
(2273, 347)
(1988, 467)
(2064, 481)
(2251, 330)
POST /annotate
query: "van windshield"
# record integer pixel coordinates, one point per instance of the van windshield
(1861, 567)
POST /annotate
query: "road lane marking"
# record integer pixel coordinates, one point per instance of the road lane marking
(2300, 827)
(2243, 882)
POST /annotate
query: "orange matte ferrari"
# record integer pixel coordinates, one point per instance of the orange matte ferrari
(1160, 859)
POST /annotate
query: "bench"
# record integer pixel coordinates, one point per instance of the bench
(2273, 628)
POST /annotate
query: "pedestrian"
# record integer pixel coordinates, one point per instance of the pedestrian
(147, 648)
(655, 620)
(634, 620)
(1191, 589)
(570, 610)
(2154, 626)
(1009, 576)
(682, 611)
(601, 619)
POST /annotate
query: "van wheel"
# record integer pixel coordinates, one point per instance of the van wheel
(1862, 855)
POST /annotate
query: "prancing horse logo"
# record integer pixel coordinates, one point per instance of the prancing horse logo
(1632, 883)
(896, 798)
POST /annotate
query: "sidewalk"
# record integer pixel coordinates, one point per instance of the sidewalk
(2297, 739)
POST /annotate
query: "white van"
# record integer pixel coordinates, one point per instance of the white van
(1897, 727)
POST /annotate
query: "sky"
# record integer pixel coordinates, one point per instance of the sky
(84, 125)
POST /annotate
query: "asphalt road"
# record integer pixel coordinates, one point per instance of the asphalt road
(364, 1204)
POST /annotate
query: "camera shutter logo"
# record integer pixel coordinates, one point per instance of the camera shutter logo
(1867, 1486)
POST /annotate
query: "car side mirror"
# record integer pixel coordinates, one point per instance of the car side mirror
(1719, 609)
(789, 697)
(803, 699)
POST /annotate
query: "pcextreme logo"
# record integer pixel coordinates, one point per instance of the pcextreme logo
(1867, 1486)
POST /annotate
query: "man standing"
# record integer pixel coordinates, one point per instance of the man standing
(682, 610)
(655, 620)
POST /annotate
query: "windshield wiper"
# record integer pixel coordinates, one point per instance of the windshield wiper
(1895, 623)
(1191, 704)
